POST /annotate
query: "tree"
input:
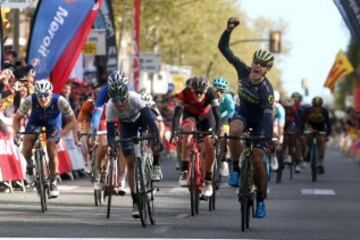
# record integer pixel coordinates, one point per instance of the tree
(187, 33)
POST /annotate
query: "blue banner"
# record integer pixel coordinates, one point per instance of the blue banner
(54, 25)
(350, 11)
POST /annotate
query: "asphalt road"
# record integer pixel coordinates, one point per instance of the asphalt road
(296, 209)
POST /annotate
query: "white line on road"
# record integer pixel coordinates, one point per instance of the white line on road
(317, 191)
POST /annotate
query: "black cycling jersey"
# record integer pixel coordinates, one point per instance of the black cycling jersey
(256, 100)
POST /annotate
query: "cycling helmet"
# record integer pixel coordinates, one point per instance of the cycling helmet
(146, 97)
(220, 83)
(43, 86)
(296, 96)
(276, 96)
(317, 101)
(264, 56)
(199, 83)
(117, 77)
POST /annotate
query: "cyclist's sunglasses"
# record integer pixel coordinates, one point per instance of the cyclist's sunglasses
(220, 91)
(44, 95)
(119, 100)
(262, 64)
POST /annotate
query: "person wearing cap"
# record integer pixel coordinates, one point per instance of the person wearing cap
(256, 97)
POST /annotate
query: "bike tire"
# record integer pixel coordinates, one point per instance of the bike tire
(141, 192)
(192, 188)
(150, 188)
(291, 169)
(313, 164)
(244, 195)
(41, 185)
(215, 184)
(109, 187)
(197, 187)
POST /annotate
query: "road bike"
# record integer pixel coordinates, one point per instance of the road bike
(246, 191)
(196, 176)
(314, 155)
(144, 186)
(41, 183)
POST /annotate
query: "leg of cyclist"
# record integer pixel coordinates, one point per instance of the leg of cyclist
(188, 125)
(206, 123)
(322, 145)
(298, 152)
(156, 173)
(51, 147)
(260, 179)
(224, 167)
(236, 128)
(122, 171)
(28, 145)
(207, 148)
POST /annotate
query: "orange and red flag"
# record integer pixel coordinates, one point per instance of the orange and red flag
(339, 69)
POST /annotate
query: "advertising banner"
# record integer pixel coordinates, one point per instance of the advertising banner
(54, 25)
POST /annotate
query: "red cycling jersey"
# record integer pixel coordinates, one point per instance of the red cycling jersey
(186, 98)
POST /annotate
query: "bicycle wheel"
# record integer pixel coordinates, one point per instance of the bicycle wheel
(150, 188)
(244, 195)
(313, 163)
(109, 187)
(192, 187)
(291, 168)
(41, 181)
(215, 184)
(141, 198)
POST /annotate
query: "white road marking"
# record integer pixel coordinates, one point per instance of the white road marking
(317, 191)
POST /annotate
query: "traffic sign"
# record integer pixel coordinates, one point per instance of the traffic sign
(17, 3)
(150, 62)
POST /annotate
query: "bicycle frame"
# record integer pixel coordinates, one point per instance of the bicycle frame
(195, 170)
(314, 155)
(246, 193)
(144, 187)
(41, 182)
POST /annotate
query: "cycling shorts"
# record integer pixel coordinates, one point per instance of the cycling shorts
(256, 130)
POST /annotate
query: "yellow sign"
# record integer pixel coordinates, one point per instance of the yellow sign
(90, 48)
(179, 82)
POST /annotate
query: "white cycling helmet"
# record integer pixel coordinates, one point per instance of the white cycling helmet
(43, 86)
(146, 97)
(117, 78)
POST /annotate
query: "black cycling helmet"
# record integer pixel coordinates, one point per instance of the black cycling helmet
(317, 101)
(199, 83)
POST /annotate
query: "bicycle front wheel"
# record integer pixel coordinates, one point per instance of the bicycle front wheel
(244, 195)
(313, 163)
(109, 187)
(41, 180)
(141, 200)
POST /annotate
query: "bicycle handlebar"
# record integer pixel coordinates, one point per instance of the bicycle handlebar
(244, 137)
(31, 132)
(98, 133)
(194, 133)
(134, 139)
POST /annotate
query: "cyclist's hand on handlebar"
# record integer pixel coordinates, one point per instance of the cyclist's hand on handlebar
(232, 23)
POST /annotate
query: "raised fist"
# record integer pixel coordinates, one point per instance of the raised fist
(232, 22)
